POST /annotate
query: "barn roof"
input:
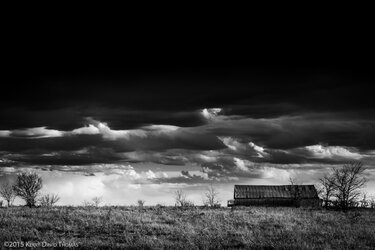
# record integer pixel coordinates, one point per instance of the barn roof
(285, 191)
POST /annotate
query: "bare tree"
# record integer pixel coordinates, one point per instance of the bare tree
(364, 202)
(8, 193)
(27, 187)
(327, 189)
(97, 200)
(180, 198)
(49, 200)
(211, 197)
(347, 182)
(372, 201)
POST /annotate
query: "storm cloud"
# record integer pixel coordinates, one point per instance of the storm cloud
(210, 124)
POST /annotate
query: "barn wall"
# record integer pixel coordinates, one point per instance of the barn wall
(264, 202)
(310, 203)
(277, 202)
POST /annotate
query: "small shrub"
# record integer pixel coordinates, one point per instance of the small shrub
(49, 200)
(87, 204)
(141, 203)
(97, 200)
(160, 205)
(187, 203)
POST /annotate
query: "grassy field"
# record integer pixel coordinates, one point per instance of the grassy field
(190, 228)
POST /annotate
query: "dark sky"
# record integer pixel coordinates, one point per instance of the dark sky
(166, 100)
(55, 84)
(82, 80)
(126, 114)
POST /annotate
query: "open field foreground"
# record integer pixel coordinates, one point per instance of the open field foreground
(190, 228)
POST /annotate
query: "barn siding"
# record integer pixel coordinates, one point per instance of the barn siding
(310, 203)
(264, 202)
(277, 202)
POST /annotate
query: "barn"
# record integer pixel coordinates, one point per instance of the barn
(285, 195)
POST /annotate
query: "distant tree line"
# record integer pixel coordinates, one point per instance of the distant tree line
(340, 188)
(27, 186)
